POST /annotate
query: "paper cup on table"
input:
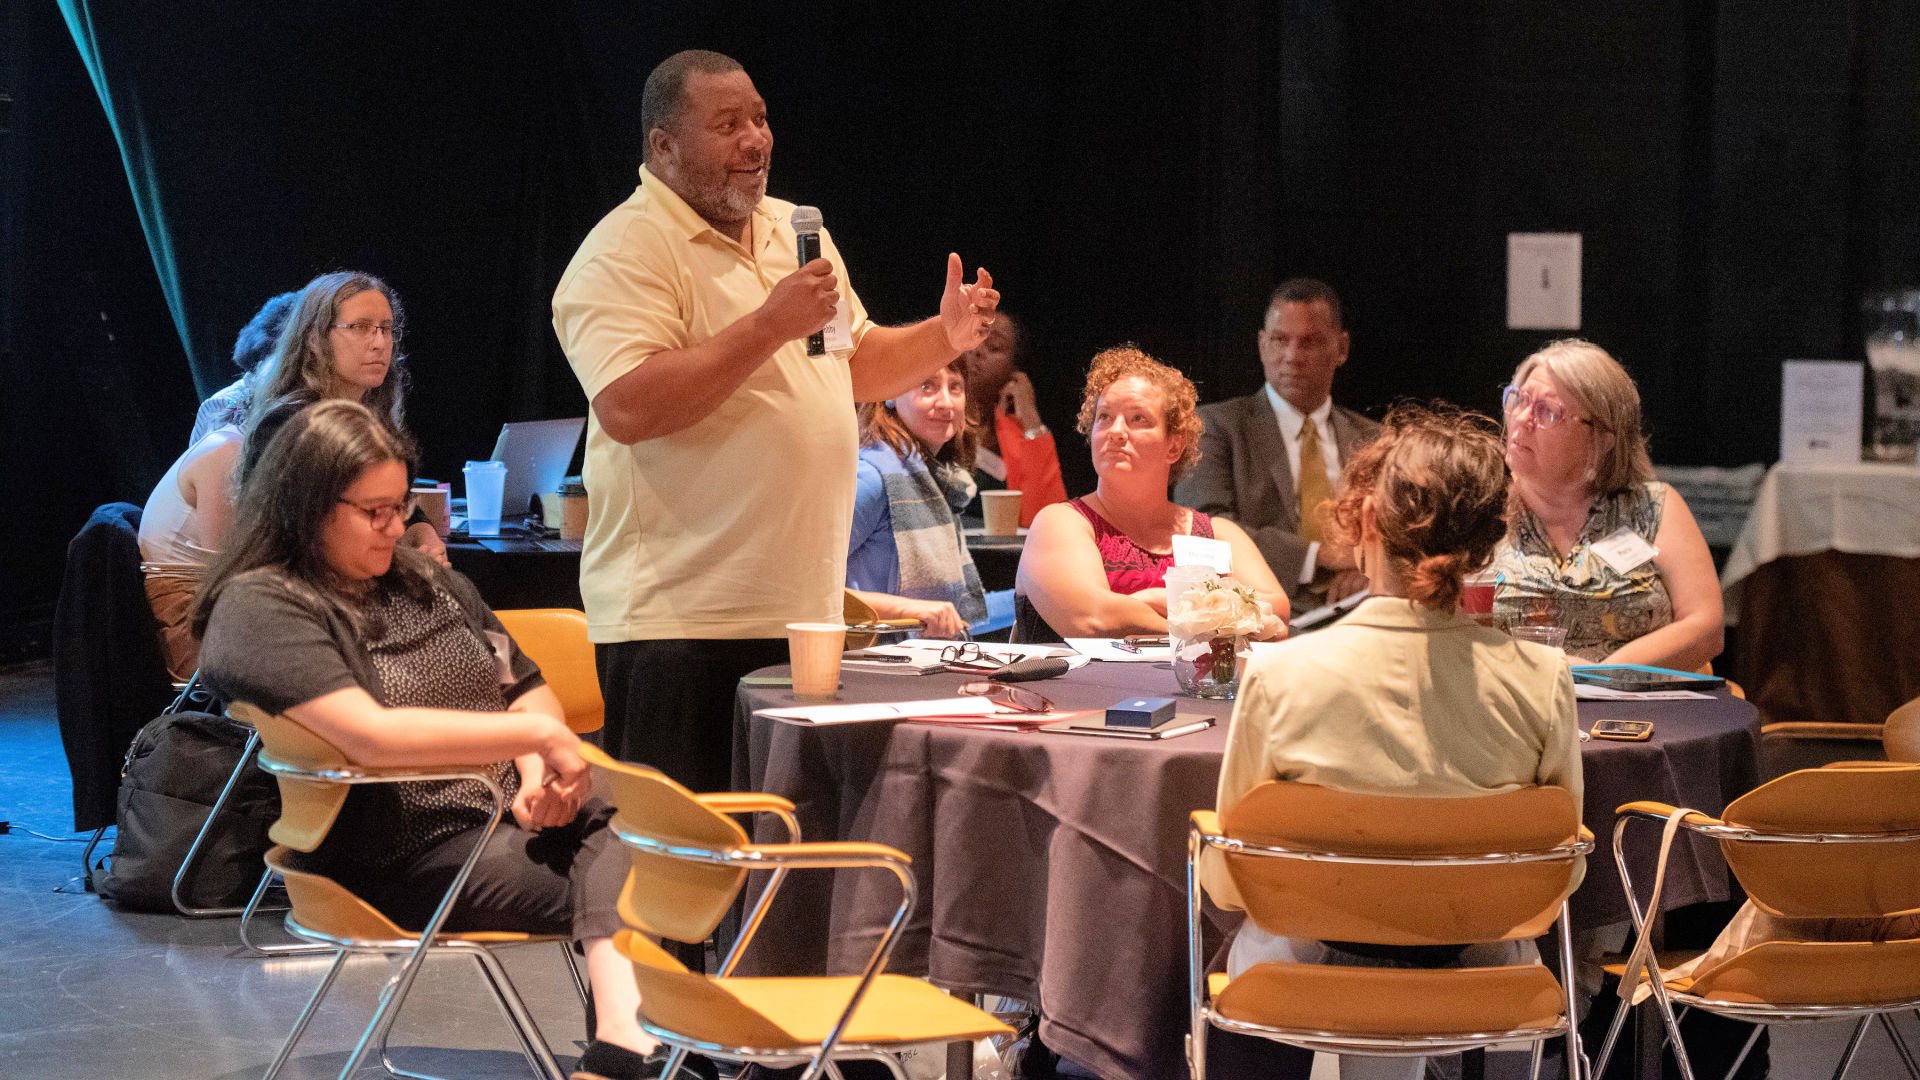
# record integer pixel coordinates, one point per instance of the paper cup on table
(1002, 511)
(435, 501)
(814, 650)
(486, 486)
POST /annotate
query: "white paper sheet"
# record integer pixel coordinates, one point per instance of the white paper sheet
(885, 710)
(1820, 407)
(1586, 692)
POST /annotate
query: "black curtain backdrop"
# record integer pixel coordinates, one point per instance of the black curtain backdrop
(1742, 173)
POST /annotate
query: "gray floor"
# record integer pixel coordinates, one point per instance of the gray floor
(88, 991)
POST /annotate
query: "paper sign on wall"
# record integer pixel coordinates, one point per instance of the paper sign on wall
(1820, 405)
(1543, 281)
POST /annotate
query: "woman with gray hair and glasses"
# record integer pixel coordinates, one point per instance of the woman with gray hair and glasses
(1595, 544)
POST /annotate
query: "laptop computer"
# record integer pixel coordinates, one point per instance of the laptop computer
(537, 453)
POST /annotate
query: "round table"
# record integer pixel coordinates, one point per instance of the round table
(1052, 866)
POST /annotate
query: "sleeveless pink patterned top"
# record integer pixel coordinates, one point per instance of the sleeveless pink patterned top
(1130, 567)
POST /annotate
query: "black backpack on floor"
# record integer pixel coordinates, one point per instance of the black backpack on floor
(174, 773)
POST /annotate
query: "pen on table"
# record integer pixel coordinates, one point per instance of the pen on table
(1126, 645)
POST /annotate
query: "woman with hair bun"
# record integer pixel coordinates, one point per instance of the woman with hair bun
(1405, 696)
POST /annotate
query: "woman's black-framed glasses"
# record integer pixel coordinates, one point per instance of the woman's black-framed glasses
(1013, 697)
(382, 516)
(969, 656)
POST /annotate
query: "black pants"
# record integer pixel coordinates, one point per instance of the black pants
(562, 880)
(670, 702)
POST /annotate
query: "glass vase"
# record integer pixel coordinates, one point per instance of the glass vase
(1208, 665)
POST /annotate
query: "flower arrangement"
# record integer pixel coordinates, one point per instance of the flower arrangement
(1208, 624)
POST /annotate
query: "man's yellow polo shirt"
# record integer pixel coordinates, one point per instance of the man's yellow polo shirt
(738, 525)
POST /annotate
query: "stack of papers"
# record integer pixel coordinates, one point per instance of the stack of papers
(894, 710)
(1589, 692)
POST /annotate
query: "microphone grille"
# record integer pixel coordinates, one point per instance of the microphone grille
(806, 219)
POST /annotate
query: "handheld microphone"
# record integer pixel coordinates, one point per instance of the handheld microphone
(806, 224)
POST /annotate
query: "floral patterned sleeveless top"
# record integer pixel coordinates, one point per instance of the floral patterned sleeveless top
(1601, 608)
(1130, 567)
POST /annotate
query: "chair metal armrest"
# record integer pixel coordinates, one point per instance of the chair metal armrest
(821, 854)
(1648, 808)
(744, 802)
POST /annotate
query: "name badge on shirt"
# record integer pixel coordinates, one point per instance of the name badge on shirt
(1624, 551)
(1216, 555)
(838, 334)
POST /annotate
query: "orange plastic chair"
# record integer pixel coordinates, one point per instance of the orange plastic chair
(556, 639)
(689, 862)
(314, 779)
(1841, 842)
(1311, 862)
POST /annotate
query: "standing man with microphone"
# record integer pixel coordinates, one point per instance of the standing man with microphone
(723, 351)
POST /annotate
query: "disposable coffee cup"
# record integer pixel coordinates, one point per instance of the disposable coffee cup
(434, 500)
(814, 650)
(566, 512)
(1002, 511)
(1179, 579)
(486, 486)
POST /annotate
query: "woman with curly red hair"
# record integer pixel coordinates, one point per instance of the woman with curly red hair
(1096, 566)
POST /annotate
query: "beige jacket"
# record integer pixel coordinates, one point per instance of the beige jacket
(1399, 700)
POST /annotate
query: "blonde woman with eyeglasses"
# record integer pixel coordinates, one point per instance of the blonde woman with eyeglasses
(1595, 545)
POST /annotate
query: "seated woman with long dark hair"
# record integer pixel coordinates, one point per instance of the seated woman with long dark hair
(314, 609)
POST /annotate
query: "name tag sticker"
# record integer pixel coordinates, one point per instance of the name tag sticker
(502, 646)
(1216, 555)
(839, 333)
(1624, 551)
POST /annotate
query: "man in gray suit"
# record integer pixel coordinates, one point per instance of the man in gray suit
(1256, 447)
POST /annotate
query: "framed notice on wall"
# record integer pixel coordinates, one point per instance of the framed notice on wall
(1820, 405)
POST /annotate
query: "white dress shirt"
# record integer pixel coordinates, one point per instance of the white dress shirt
(1292, 422)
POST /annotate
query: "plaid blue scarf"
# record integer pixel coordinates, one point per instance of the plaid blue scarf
(927, 538)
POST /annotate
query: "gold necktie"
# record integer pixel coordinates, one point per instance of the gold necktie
(1314, 488)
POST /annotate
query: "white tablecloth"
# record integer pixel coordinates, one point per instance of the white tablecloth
(1868, 508)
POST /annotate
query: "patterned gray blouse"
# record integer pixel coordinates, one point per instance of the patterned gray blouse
(1601, 608)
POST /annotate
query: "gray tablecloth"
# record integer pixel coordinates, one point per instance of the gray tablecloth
(1051, 867)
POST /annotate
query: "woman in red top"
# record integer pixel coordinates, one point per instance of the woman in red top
(1095, 566)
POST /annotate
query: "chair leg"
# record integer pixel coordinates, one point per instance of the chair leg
(284, 948)
(86, 857)
(1853, 1047)
(573, 967)
(1900, 1045)
(532, 1042)
(206, 829)
(1747, 1048)
(1539, 1051)
(306, 1014)
(1673, 1031)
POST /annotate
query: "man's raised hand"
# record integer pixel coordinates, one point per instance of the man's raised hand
(967, 310)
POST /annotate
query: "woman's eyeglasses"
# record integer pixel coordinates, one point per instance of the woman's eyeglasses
(384, 515)
(365, 328)
(1520, 405)
(969, 656)
(1013, 697)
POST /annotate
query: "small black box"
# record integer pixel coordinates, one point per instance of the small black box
(1140, 712)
